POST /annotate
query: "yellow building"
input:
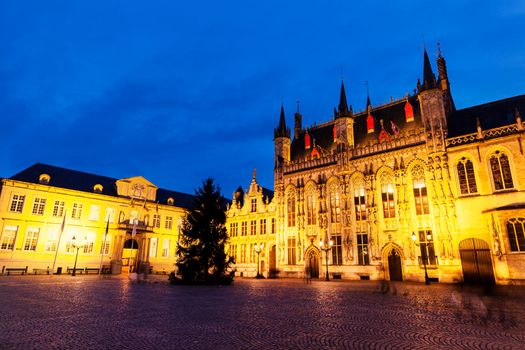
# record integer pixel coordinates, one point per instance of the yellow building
(49, 214)
(402, 190)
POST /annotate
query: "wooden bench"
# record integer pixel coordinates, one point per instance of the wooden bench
(79, 270)
(41, 271)
(87, 270)
(10, 270)
(106, 270)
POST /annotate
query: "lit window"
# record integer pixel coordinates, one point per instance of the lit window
(233, 252)
(110, 215)
(9, 238)
(17, 203)
(310, 208)
(273, 226)
(337, 250)
(263, 227)
(244, 228)
(31, 239)
(94, 212)
(153, 247)
(254, 205)
(420, 191)
(387, 195)
(242, 260)
(291, 210)
(76, 213)
(234, 229)
(39, 205)
(169, 222)
(291, 251)
(335, 204)
(362, 249)
(70, 245)
(359, 204)
(156, 220)
(51, 241)
(426, 245)
(467, 179)
(88, 245)
(104, 247)
(516, 233)
(166, 247)
(501, 174)
(253, 227)
(58, 208)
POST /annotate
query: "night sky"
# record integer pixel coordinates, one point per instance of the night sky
(179, 91)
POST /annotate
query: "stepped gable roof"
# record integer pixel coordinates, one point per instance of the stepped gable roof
(391, 112)
(491, 115)
(81, 181)
(323, 135)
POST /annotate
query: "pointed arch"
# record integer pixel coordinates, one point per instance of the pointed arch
(334, 199)
(386, 183)
(290, 199)
(500, 164)
(464, 169)
(310, 194)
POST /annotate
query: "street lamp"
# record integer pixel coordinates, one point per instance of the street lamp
(258, 250)
(77, 246)
(326, 249)
(423, 254)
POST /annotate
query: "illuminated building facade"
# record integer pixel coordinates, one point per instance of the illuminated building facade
(404, 187)
(48, 212)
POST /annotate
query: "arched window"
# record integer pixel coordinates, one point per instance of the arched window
(500, 167)
(310, 207)
(359, 203)
(420, 190)
(516, 233)
(335, 203)
(467, 179)
(291, 209)
(387, 196)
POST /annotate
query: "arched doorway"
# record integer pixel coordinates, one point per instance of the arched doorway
(273, 262)
(476, 261)
(394, 266)
(129, 253)
(312, 263)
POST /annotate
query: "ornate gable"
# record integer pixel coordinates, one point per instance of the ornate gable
(137, 187)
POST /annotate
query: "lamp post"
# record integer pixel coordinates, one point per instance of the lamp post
(423, 255)
(258, 250)
(326, 249)
(77, 246)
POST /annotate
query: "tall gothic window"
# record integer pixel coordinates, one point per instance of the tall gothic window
(467, 179)
(291, 210)
(337, 249)
(387, 196)
(420, 191)
(426, 244)
(335, 204)
(310, 208)
(500, 167)
(362, 249)
(516, 233)
(291, 251)
(359, 204)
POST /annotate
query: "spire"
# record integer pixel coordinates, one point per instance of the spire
(368, 104)
(343, 105)
(429, 79)
(282, 130)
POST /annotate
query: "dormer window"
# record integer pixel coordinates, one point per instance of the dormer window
(409, 112)
(335, 133)
(170, 201)
(307, 141)
(98, 188)
(44, 179)
(370, 123)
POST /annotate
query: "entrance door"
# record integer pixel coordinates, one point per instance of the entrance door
(476, 261)
(394, 266)
(313, 264)
(129, 253)
(273, 264)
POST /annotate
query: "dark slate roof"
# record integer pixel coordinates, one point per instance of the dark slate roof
(324, 137)
(80, 181)
(491, 115)
(267, 193)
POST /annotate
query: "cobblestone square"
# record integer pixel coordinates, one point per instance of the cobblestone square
(84, 312)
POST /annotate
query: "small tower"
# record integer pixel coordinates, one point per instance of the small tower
(298, 122)
(281, 139)
(444, 82)
(344, 122)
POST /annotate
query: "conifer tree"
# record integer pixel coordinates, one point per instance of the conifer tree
(201, 253)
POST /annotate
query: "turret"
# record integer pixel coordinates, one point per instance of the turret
(344, 122)
(298, 122)
(444, 82)
(281, 141)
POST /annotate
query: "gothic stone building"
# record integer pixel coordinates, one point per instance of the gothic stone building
(398, 189)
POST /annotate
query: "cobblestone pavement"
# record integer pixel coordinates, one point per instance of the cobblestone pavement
(83, 312)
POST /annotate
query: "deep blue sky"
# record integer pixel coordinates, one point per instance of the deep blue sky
(179, 91)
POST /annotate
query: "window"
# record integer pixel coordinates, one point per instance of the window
(254, 205)
(253, 227)
(39, 204)
(387, 196)
(94, 212)
(499, 164)
(17, 203)
(426, 244)
(156, 220)
(153, 247)
(110, 215)
(234, 229)
(104, 247)
(9, 238)
(337, 250)
(310, 208)
(262, 231)
(359, 204)
(76, 213)
(31, 238)
(233, 252)
(273, 226)
(165, 248)
(291, 210)
(467, 179)
(58, 208)
(88, 244)
(516, 233)
(51, 241)
(244, 228)
(291, 251)
(362, 249)
(70, 247)
(251, 253)
(420, 191)
(242, 260)
(169, 222)
(335, 204)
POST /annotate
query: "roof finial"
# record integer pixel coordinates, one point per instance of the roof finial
(298, 106)
(439, 49)
(368, 104)
(254, 173)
